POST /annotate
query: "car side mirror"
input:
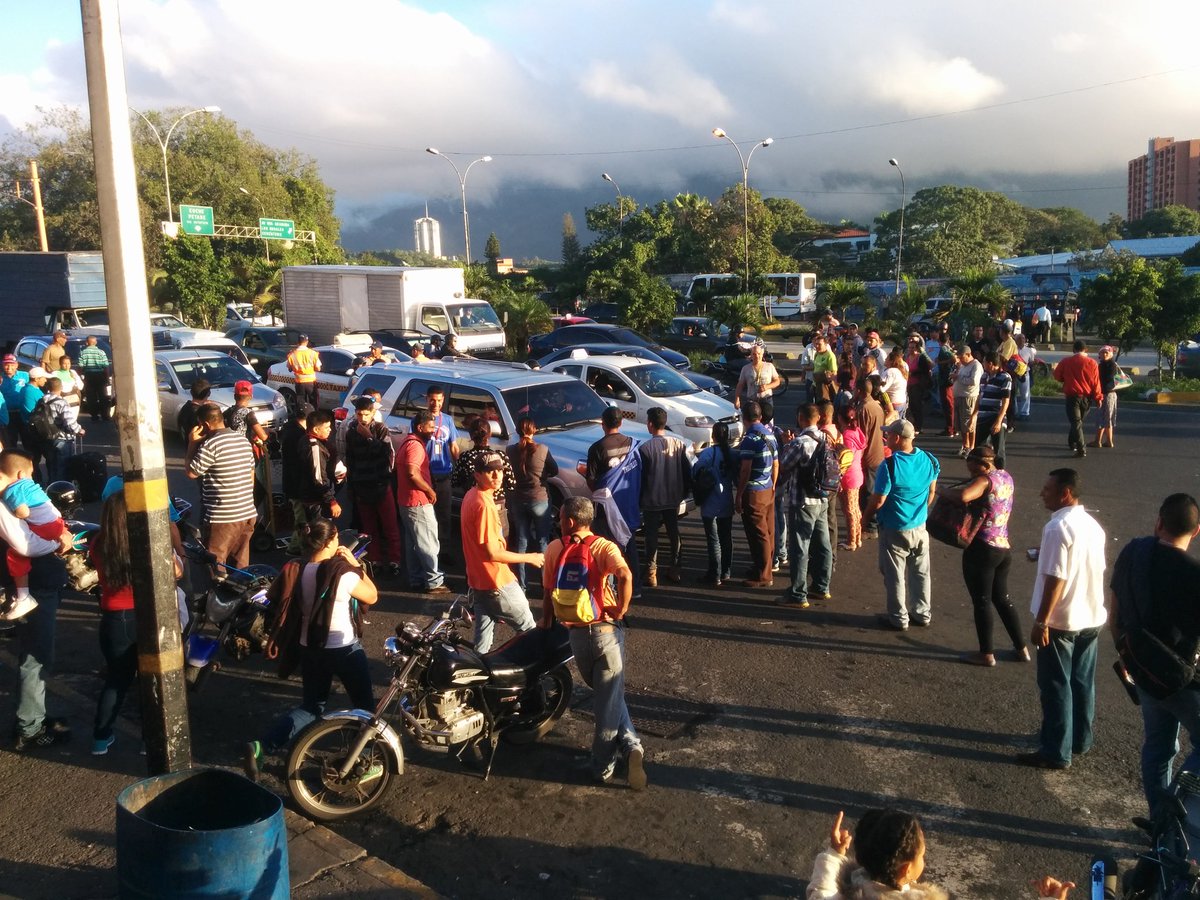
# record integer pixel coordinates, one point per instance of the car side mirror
(494, 428)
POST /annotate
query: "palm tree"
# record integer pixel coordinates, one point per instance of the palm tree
(981, 288)
(839, 293)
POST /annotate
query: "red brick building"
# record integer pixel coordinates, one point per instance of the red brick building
(1168, 175)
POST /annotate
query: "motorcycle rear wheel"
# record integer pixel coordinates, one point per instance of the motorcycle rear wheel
(312, 779)
(550, 698)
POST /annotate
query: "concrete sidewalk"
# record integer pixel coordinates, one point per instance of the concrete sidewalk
(60, 839)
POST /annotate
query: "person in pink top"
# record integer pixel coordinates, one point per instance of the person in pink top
(854, 439)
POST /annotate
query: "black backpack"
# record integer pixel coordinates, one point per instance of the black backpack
(821, 474)
(43, 423)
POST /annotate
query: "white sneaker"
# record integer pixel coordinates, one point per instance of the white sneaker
(20, 608)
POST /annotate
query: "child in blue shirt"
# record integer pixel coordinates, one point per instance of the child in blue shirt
(25, 499)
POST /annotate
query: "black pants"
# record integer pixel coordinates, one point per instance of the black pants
(306, 393)
(1077, 410)
(985, 570)
(118, 643)
(95, 394)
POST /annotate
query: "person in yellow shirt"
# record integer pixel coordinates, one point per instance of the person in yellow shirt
(305, 363)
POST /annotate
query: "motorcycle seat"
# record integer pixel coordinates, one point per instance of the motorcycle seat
(538, 648)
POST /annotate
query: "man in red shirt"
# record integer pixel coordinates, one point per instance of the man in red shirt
(415, 497)
(495, 592)
(1080, 377)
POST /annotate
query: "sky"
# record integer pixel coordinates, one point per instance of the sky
(1045, 101)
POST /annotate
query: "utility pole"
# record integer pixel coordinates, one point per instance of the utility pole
(139, 429)
(36, 203)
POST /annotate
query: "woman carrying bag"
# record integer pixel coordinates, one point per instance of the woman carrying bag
(987, 559)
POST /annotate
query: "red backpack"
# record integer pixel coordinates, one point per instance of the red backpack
(578, 592)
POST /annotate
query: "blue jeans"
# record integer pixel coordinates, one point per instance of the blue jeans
(36, 642)
(600, 655)
(118, 643)
(507, 604)
(57, 454)
(421, 546)
(317, 668)
(781, 531)
(718, 534)
(1162, 719)
(808, 535)
(904, 565)
(1066, 677)
(530, 523)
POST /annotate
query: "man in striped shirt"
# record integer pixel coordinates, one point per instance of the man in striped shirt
(224, 462)
(94, 363)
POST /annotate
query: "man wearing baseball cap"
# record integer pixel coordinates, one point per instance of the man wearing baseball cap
(31, 395)
(305, 363)
(495, 592)
(905, 485)
(11, 386)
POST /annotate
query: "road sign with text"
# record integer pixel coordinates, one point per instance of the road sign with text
(277, 229)
(197, 220)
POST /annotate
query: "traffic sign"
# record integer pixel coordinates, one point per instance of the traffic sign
(197, 220)
(277, 229)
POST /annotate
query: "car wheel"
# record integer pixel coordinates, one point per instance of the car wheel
(289, 398)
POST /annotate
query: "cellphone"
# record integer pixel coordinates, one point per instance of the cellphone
(1098, 880)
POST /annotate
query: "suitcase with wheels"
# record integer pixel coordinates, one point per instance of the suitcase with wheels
(90, 471)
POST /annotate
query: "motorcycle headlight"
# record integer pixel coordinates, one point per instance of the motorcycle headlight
(277, 402)
(698, 422)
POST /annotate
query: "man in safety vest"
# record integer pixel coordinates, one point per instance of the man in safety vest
(305, 363)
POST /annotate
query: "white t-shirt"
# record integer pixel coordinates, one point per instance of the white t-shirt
(341, 625)
(895, 385)
(748, 386)
(1044, 315)
(966, 382)
(1073, 550)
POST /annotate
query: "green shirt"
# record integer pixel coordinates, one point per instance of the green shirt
(92, 359)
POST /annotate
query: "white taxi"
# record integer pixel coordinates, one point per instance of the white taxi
(634, 386)
(339, 366)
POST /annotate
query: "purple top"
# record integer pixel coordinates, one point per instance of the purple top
(998, 503)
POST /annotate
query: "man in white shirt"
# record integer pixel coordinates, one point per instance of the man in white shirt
(1024, 384)
(1041, 322)
(967, 376)
(1068, 612)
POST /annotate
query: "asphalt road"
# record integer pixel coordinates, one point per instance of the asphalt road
(760, 724)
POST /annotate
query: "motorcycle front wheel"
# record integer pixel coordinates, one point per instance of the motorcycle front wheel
(542, 704)
(313, 765)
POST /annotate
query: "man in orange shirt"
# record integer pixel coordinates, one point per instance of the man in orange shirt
(305, 363)
(1080, 377)
(599, 646)
(495, 592)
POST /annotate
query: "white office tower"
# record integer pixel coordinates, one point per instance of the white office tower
(427, 235)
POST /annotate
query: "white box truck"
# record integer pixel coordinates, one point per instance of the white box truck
(326, 301)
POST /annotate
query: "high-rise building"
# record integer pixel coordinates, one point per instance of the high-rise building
(1168, 175)
(427, 235)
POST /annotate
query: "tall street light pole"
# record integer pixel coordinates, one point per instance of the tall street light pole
(462, 185)
(163, 142)
(720, 134)
(620, 204)
(900, 241)
(263, 211)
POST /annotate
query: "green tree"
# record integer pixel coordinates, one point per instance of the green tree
(902, 309)
(1178, 314)
(728, 251)
(647, 304)
(737, 311)
(1191, 257)
(491, 250)
(1121, 304)
(793, 229)
(1060, 229)
(197, 280)
(981, 288)
(1167, 221)
(522, 313)
(949, 229)
(571, 251)
(840, 293)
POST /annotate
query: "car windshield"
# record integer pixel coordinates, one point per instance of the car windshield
(657, 380)
(91, 317)
(221, 371)
(555, 405)
(473, 318)
(285, 337)
(163, 320)
(626, 336)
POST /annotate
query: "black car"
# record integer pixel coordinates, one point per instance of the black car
(264, 344)
(605, 313)
(579, 335)
(704, 382)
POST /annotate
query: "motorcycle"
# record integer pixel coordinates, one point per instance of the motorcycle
(446, 696)
(81, 576)
(727, 367)
(1168, 871)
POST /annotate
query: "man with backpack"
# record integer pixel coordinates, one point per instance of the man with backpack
(1158, 635)
(495, 592)
(53, 422)
(806, 468)
(578, 581)
(905, 485)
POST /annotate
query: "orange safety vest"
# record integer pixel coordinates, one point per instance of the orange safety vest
(303, 363)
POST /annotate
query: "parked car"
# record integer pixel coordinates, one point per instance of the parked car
(564, 321)
(607, 313)
(177, 370)
(704, 382)
(339, 365)
(264, 345)
(1188, 360)
(566, 411)
(635, 386)
(576, 335)
(29, 352)
(685, 333)
(243, 313)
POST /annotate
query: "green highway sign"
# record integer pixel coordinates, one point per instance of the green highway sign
(277, 229)
(196, 220)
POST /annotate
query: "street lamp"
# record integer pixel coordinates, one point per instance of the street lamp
(263, 211)
(900, 241)
(720, 134)
(620, 205)
(462, 184)
(162, 142)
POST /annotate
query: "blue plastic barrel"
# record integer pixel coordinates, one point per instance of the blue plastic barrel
(202, 833)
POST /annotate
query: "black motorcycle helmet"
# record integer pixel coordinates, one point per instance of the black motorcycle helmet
(64, 495)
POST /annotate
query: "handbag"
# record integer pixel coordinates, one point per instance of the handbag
(1122, 380)
(953, 522)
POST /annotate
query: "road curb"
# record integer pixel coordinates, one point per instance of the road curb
(320, 862)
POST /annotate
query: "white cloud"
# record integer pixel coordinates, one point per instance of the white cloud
(922, 83)
(673, 90)
(744, 16)
(1070, 42)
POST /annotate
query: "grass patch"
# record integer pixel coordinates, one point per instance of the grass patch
(697, 359)
(1048, 387)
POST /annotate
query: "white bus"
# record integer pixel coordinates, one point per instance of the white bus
(792, 294)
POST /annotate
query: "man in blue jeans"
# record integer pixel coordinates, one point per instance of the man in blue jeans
(807, 508)
(34, 728)
(1068, 610)
(1150, 584)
